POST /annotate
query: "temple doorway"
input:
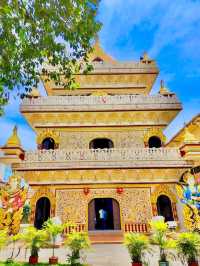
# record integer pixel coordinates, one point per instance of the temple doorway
(104, 214)
(42, 212)
(164, 208)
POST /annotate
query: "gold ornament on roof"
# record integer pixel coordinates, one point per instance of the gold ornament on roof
(146, 59)
(188, 137)
(98, 53)
(13, 140)
(163, 90)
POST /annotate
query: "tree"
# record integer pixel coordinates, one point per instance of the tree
(52, 37)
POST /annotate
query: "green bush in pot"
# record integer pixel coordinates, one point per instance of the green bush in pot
(76, 242)
(165, 244)
(188, 247)
(138, 245)
(34, 239)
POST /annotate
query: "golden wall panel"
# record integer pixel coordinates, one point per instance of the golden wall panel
(135, 204)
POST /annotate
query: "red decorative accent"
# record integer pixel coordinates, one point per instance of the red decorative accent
(22, 156)
(17, 202)
(86, 191)
(182, 153)
(120, 190)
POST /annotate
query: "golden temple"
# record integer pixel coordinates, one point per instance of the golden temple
(102, 160)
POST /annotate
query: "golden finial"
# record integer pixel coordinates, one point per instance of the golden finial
(13, 140)
(145, 58)
(188, 137)
(163, 90)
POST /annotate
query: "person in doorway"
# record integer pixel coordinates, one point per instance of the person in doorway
(103, 218)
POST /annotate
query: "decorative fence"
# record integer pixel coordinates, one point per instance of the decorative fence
(135, 154)
(136, 227)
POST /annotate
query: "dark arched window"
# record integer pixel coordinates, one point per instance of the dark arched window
(48, 144)
(42, 212)
(164, 208)
(101, 143)
(154, 142)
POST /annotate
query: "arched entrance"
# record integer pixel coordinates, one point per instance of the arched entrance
(104, 214)
(42, 212)
(164, 208)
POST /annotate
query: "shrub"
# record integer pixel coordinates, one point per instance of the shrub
(188, 246)
(159, 237)
(138, 245)
(76, 241)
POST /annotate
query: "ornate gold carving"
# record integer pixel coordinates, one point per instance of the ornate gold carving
(48, 133)
(154, 132)
(163, 189)
(42, 192)
(191, 218)
(135, 206)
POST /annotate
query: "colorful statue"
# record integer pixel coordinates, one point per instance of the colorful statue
(12, 200)
(189, 193)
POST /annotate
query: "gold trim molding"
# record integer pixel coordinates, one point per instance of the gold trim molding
(163, 190)
(154, 132)
(42, 192)
(48, 133)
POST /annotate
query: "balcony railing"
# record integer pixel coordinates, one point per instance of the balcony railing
(103, 155)
(107, 101)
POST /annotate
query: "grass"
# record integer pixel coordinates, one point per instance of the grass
(27, 264)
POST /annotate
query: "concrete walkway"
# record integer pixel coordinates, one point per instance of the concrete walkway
(99, 255)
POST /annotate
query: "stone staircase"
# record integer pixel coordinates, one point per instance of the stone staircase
(106, 236)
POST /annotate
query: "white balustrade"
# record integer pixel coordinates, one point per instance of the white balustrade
(100, 100)
(136, 154)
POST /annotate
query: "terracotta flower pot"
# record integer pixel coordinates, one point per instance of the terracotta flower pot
(163, 263)
(136, 263)
(193, 263)
(53, 260)
(33, 260)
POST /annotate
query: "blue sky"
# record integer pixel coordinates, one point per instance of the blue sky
(168, 30)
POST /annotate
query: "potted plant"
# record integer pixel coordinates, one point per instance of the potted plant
(138, 245)
(159, 238)
(53, 230)
(34, 239)
(188, 247)
(76, 242)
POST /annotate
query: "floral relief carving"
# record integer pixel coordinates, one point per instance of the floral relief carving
(135, 204)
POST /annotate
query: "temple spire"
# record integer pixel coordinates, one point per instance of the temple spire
(164, 90)
(14, 140)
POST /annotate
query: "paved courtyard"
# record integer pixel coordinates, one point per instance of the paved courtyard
(99, 255)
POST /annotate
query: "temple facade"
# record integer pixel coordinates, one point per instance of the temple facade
(102, 160)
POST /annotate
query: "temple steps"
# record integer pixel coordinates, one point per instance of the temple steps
(106, 236)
